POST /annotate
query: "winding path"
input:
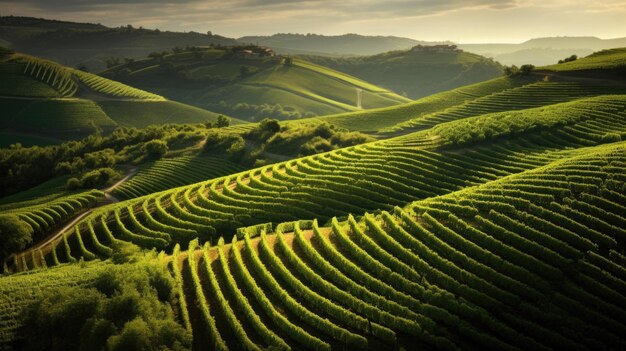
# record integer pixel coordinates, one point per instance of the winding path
(109, 200)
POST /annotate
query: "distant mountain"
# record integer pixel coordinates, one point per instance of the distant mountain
(347, 44)
(543, 51)
(86, 44)
(417, 72)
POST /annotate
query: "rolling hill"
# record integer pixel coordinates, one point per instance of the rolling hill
(526, 219)
(490, 216)
(251, 83)
(418, 72)
(599, 74)
(44, 102)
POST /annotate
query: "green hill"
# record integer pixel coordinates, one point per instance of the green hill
(599, 74)
(369, 177)
(492, 217)
(610, 60)
(44, 101)
(418, 72)
(539, 238)
(250, 83)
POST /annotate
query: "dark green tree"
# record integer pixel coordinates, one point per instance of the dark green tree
(15, 234)
(155, 148)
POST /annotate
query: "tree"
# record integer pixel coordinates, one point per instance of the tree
(222, 121)
(526, 69)
(270, 125)
(511, 71)
(15, 234)
(155, 148)
(569, 59)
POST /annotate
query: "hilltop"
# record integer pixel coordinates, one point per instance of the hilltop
(90, 45)
(44, 102)
(251, 83)
(418, 72)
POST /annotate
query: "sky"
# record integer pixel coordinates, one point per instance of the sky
(463, 21)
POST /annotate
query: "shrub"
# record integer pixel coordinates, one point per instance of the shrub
(569, 59)
(526, 69)
(128, 307)
(73, 183)
(155, 148)
(15, 234)
(98, 178)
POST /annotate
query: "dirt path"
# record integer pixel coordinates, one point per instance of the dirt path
(107, 192)
(50, 238)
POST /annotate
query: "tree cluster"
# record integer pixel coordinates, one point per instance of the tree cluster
(523, 70)
(128, 307)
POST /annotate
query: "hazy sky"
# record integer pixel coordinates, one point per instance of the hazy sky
(465, 21)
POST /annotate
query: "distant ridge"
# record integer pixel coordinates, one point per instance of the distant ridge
(346, 44)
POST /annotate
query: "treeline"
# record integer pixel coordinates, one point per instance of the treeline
(297, 139)
(21, 167)
(127, 307)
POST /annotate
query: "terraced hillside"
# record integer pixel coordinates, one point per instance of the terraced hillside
(497, 95)
(252, 84)
(493, 219)
(374, 176)
(531, 259)
(170, 173)
(533, 94)
(41, 98)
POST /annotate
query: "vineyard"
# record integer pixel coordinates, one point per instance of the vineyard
(175, 172)
(487, 217)
(45, 99)
(519, 98)
(512, 256)
(364, 178)
(602, 60)
(111, 88)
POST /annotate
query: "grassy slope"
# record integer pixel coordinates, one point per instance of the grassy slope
(603, 60)
(35, 108)
(500, 94)
(416, 74)
(212, 77)
(377, 119)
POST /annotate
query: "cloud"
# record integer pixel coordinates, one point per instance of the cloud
(446, 19)
(347, 7)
